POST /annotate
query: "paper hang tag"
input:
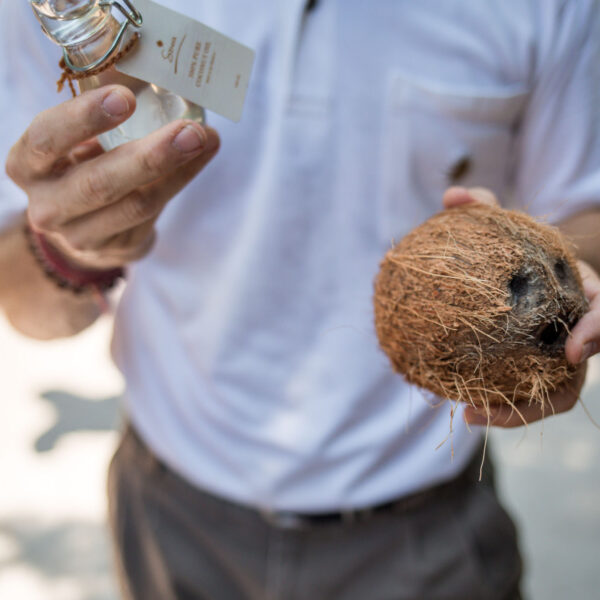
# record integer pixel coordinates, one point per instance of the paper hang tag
(190, 59)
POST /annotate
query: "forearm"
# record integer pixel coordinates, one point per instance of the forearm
(33, 303)
(583, 229)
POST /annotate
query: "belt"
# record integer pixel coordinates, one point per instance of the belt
(292, 520)
(468, 477)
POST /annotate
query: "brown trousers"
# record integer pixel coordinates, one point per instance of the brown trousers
(176, 542)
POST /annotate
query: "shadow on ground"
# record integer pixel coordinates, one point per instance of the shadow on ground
(75, 414)
(69, 550)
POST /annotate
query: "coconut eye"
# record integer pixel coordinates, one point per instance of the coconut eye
(519, 286)
(560, 269)
(554, 333)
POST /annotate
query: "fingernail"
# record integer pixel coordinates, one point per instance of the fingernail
(115, 104)
(589, 349)
(189, 139)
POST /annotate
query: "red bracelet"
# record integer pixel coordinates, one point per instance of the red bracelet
(65, 274)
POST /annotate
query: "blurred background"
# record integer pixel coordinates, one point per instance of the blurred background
(59, 416)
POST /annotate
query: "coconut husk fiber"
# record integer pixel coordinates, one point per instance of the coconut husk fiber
(476, 305)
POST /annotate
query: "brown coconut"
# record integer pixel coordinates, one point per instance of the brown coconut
(476, 305)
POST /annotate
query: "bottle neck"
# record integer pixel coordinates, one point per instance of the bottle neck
(85, 29)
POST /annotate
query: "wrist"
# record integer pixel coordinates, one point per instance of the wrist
(64, 271)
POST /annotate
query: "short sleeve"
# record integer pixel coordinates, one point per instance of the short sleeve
(557, 162)
(28, 74)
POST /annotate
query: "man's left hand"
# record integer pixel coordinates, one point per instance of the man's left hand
(583, 342)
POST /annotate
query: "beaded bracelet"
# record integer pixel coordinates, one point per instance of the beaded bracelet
(65, 274)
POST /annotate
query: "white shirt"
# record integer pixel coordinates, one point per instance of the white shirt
(246, 337)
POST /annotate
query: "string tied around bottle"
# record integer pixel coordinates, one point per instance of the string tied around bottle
(69, 75)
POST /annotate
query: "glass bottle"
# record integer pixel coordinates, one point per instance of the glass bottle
(86, 29)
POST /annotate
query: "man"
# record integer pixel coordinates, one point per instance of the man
(272, 453)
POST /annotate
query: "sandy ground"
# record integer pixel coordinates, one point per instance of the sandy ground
(58, 415)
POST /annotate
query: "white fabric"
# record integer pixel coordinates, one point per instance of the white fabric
(246, 337)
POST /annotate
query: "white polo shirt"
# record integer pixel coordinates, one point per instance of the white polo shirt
(246, 337)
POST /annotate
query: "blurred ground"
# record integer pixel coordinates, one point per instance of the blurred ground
(58, 414)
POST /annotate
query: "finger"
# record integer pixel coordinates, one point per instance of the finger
(584, 340)
(120, 250)
(79, 154)
(127, 247)
(482, 195)
(162, 192)
(56, 131)
(114, 175)
(458, 196)
(522, 412)
(590, 279)
(168, 188)
(98, 229)
(86, 151)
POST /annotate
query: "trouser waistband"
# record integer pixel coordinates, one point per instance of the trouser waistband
(296, 520)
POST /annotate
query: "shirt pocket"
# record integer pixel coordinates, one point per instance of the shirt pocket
(437, 136)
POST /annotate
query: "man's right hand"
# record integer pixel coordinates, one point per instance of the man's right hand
(99, 208)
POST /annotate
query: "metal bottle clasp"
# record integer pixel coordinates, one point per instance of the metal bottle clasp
(132, 17)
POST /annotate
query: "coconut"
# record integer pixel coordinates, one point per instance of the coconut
(476, 305)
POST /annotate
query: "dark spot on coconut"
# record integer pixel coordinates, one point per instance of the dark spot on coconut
(519, 287)
(553, 336)
(561, 270)
(552, 333)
